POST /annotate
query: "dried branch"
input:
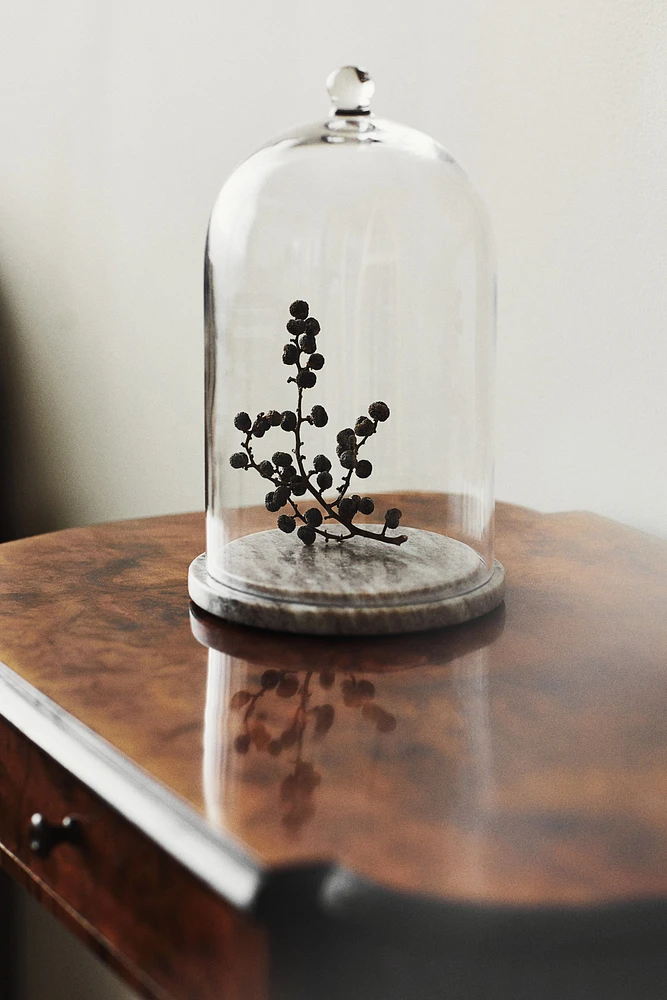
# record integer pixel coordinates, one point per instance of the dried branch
(290, 482)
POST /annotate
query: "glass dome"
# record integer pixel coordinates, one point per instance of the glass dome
(350, 327)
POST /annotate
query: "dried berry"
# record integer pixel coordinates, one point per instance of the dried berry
(307, 343)
(240, 699)
(385, 722)
(261, 426)
(324, 480)
(364, 427)
(321, 463)
(281, 458)
(286, 523)
(356, 500)
(299, 309)
(319, 416)
(265, 469)
(324, 718)
(288, 686)
(288, 422)
(298, 485)
(281, 495)
(347, 460)
(312, 326)
(274, 417)
(242, 743)
(393, 517)
(316, 362)
(242, 421)
(364, 468)
(289, 737)
(347, 508)
(306, 534)
(346, 437)
(365, 688)
(239, 460)
(306, 379)
(378, 411)
(327, 678)
(290, 354)
(270, 679)
(313, 516)
(287, 473)
(271, 503)
(295, 327)
(366, 505)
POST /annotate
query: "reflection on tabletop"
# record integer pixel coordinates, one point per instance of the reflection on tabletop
(323, 747)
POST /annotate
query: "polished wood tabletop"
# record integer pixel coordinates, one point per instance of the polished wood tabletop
(519, 760)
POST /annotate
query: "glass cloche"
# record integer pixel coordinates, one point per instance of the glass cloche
(350, 328)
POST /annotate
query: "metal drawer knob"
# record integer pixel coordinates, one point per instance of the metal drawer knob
(44, 836)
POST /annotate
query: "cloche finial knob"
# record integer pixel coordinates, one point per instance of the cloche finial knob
(351, 89)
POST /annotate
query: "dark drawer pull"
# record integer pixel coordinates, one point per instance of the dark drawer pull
(44, 836)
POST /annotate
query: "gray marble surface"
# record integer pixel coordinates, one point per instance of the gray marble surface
(273, 581)
(359, 572)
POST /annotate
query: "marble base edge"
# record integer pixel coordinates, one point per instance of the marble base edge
(311, 619)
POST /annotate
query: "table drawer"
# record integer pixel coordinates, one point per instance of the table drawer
(156, 922)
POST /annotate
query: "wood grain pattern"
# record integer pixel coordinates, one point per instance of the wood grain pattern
(521, 759)
(152, 921)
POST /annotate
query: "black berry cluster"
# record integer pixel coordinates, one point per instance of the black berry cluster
(287, 470)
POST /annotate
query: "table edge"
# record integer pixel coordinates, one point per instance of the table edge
(218, 861)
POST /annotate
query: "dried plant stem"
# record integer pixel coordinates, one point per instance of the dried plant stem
(353, 529)
(303, 344)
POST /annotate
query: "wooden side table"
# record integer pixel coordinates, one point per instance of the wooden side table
(473, 812)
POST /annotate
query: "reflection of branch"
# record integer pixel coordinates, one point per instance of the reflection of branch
(297, 788)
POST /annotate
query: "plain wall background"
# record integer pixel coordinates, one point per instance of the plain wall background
(119, 122)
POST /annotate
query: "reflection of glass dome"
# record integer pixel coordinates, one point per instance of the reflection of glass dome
(379, 231)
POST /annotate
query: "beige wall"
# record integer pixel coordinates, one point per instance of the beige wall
(120, 120)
